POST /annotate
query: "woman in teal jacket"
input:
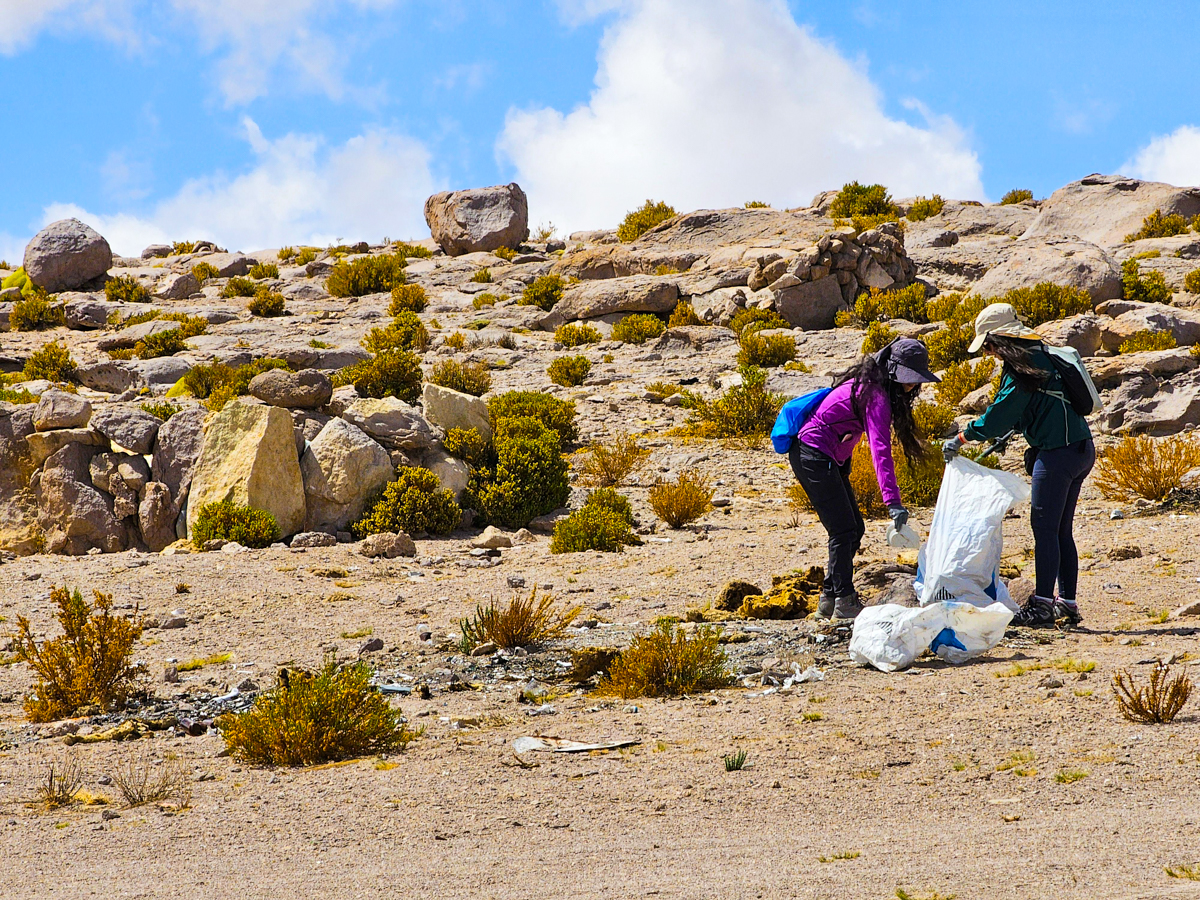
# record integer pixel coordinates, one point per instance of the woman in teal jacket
(1032, 401)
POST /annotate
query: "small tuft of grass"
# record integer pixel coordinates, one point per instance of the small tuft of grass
(523, 622)
(200, 662)
(1018, 764)
(845, 854)
(1189, 873)
(62, 784)
(360, 633)
(812, 716)
(735, 762)
(142, 780)
(668, 663)
(1070, 776)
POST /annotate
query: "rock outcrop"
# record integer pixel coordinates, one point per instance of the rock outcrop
(342, 469)
(479, 219)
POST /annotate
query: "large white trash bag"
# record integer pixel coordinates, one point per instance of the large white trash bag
(889, 636)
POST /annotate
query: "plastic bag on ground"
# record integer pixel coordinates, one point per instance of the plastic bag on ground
(889, 636)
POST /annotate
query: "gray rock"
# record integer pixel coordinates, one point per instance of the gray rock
(1072, 263)
(387, 545)
(44, 444)
(66, 255)
(1081, 332)
(481, 219)
(311, 539)
(165, 370)
(113, 376)
(306, 389)
(177, 286)
(157, 251)
(59, 409)
(448, 409)
(342, 468)
(453, 473)
(634, 293)
(304, 290)
(1144, 404)
(228, 264)
(74, 515)
(129, 427)
(810, 305)
(391, 422)
(1183, 324)
(177, 449)
(127, 337)
(85, 311)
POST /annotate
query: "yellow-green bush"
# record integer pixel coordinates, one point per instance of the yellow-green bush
(229, 521)
(264, 270)
(485, 299)
(89, 663)
(482, 276)
(267, 304)
(219, 383)
(856, 199)
(681, 501)
(181, 248)
(202, 271)
(683, 315)
(766, 351)
(1016, 195)
(923, 208)
(366, 275)
(456, 341)
(1047, 302)
(524, 622)
(411, 251)
(508, 254)
(1191, 282)
(638, 328)
(468, 445)
(756, 204)
(161, 409)
(1147, 340)
(933, 419)
(410, 297)
(1140, 466)
(557, 415)
(569, 371)
(1156, 225)
(125, 289)
(306, 255)
(238, 287)
(545, 291)
(875, 305)
(325, 716)
(575, 334)
(389, 373)
(669, 663)
(603, 523)
(414, 503)
(955, 308)
(919, 484)
(877, 337)
(52, 362)
(285, 253)
(755, 319)
(36, 313)
(406, 332)
(642, 219)
(19, 280)
(468, 378)
(962, 378)
(610, 464)
(744, 410)
(530, 478)
(1148, 288)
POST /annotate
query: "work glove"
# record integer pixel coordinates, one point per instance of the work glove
(951, 446)
(899, 515)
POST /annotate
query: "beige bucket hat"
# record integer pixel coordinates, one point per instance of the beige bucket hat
(1000, 319)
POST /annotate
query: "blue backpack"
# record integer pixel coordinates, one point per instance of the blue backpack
(793, 416)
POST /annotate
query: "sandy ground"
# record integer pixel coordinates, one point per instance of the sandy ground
(912, 775)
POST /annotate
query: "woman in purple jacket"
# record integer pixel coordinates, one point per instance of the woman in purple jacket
(874, 396)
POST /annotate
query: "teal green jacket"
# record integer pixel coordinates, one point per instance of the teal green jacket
(1046, 421)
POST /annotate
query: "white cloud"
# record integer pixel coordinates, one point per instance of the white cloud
(298, 192)
(710, 103)
(22, 20)
(1173, 158)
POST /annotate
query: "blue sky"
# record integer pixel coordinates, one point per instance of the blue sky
(260, 122)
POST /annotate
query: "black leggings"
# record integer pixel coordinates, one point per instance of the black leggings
(1057, 477)
(828, 487)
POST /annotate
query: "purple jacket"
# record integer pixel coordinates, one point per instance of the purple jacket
(835, 430)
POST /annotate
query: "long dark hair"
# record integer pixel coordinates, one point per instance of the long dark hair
(868, 371)
(1017, 356)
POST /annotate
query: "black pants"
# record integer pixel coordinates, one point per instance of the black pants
(1057, 477)
(828, 487)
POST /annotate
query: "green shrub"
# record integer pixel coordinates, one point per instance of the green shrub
(1016, 195)
(414, 503)
(161, 343)
(595, 526)
(182, 248)
(524, 622)
(125, 289)
(485, 299)
(264, 270)
(569, 371)
(389, 373)
(238, 287)
(456, 341)
(405, 333)
(769, 351)
(543, 293)
(267, 304)
(1047, 302)
(949, 345)
(1156, 225)
(411, 251)
(856, 199)
(669, 663)
(229, 521)
(610, 464)
(306, 255)
(468, 378)
(933, 420)
(1148, 254)
(161, 410)
(18, 279)
(922, 208)
(962, 378)
(557, 415)
(325, 716)
(756, 204)
(642, 219)
(1148, 288)
(200, 381)
(468, 445)
(52, 362)
(877, 337)
(1191, 282)
(203, 271)
(285, 253)
(1148, 340)
(219, 383)
(638, 328)
(683, 315)
(874, 305)
(366, 275)
(530, 478)
(756, 320)
(508, 254)
(744, 410)
(482, 276)
(16, 395)
(575, 334)
(410, 297)
(36, 313)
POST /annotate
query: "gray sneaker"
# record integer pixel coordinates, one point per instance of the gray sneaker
(847, 607)
(825, 605)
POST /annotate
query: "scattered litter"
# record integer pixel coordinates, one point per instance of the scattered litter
(544, 710)
(549, 744)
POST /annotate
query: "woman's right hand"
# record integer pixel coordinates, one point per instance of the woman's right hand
(951, 446)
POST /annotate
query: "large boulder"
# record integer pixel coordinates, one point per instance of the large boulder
(157, 513)
(1145, 404)
(453, 473)
(1184, 324)
(391, 422)
(60, 409)
(66, 255)
(177, 286)
(177, 450)
(228, 264)
(306, 389)
(810, 305)
(479, 219)
(112, 376)
(1076, 264)
(1103, 209)
(448, 409)
(1081, 332)
(249, 457)
(75, 516)
(634, 293)
(129, 427)
(18, 512)
(342, 468)
(85, 311)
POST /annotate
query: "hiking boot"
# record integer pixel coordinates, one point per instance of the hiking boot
(847, 607)
(1064, 609)
(1037, 613)
(825, 605)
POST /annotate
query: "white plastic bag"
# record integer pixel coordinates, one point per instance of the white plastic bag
(889, 636)
(969, 630)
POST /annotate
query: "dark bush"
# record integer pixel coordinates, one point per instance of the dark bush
(638, 328)
(1148, 288)
(856, 199)
(52, 362)
(569, 371)
(414, 503)
(406, 332)
(390, 373)
(530, 478)
(36, 313)
(229, 521)
(267, 304)
(557, 415)
(366, 275)
(543, 293)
